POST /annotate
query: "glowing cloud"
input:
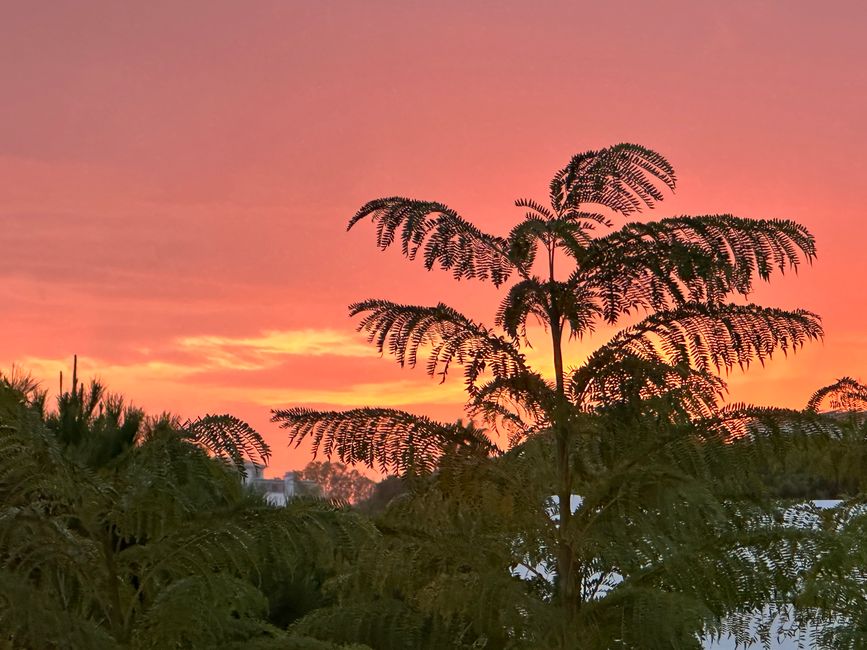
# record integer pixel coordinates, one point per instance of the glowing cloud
(254, 353)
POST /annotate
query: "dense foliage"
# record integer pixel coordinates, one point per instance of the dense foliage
(118, 530)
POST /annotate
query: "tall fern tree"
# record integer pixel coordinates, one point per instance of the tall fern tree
(564, 266)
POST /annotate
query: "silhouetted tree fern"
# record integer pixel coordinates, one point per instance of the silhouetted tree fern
(635, 429)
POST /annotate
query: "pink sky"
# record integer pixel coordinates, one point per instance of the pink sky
(177, 176)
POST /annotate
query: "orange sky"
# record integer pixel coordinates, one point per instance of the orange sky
(175, 177)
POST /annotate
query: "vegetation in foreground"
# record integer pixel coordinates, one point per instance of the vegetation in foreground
(123, 531)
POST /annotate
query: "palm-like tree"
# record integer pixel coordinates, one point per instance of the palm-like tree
(679, 273)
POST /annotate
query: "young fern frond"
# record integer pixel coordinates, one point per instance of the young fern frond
(524, 299)
(571, 235)
(447, 239)
(536, 209)
(533, 297)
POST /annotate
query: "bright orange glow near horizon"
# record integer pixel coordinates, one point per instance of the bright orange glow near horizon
(177, 177)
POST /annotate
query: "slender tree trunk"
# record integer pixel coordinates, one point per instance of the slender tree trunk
(565, 558)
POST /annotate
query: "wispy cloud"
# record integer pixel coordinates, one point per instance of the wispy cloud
(315, 342)
(267, 349)
(186, 356)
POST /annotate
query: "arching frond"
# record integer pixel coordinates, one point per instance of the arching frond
(403, 329)
(660, 264)
(586, 220)
(524, 240)
(524, 299)
(845, 394)
(228, 437)
(393, 441)
(200, 611)
(623, 178)
(717, 336)
(448, 240)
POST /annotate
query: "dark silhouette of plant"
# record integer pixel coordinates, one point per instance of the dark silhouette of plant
(119, 531)
(658, 377)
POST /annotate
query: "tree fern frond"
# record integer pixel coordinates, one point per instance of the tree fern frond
(30, 617)
(448, 240)
(524, 240)
(660, 264)
(532, 297)
(393, 441)
(404, 329)
(383, 623)
(742, 421)
(524, 299)
(586, 220)
(714, 336)
(198, 612)
(846, 394)
(624, 178)
(228, 437)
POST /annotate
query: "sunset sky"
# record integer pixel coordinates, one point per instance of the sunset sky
(176, 176)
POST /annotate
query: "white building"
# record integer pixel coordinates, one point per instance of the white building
(279, 490)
